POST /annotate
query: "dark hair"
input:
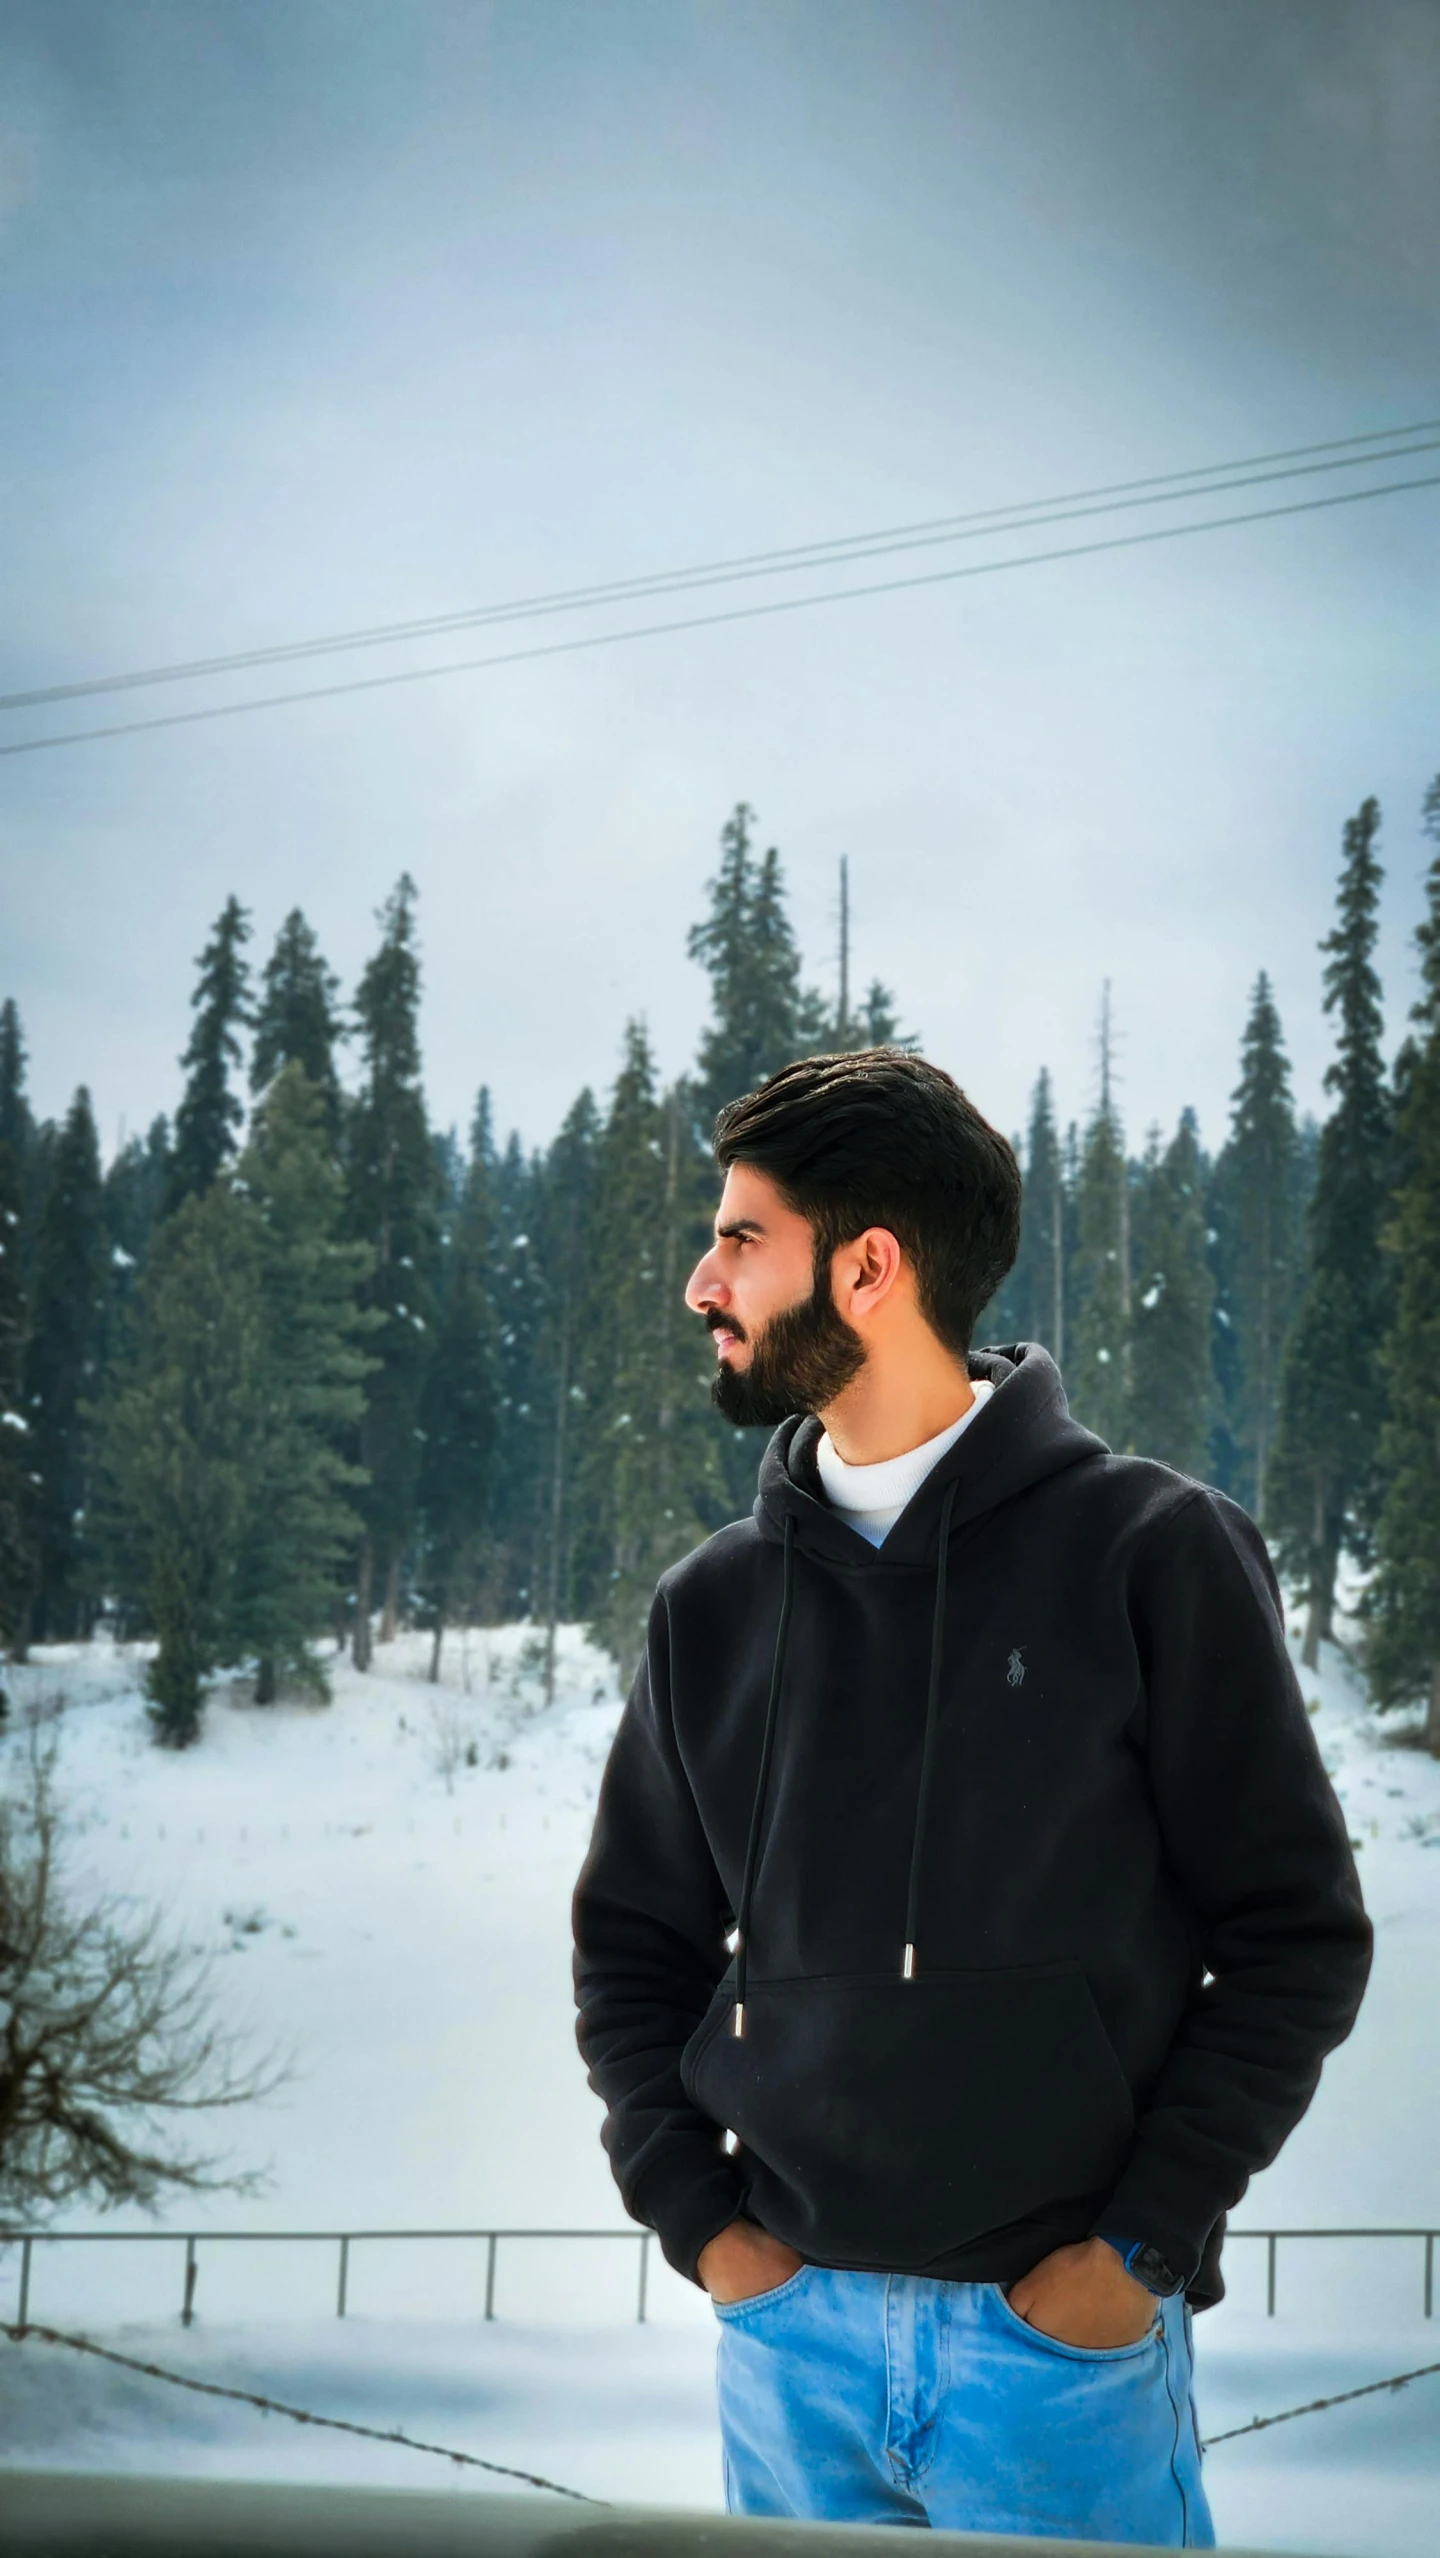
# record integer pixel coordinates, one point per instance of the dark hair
(878, 1137)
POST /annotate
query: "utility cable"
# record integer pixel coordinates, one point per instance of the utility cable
(300, 2415)
(711, 621)
(1203, 480)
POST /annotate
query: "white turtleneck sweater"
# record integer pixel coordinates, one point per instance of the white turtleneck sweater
(871, 1498)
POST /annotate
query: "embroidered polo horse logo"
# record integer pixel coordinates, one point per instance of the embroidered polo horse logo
(1015, 1674)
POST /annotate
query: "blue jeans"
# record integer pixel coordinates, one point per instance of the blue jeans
(892, 2398)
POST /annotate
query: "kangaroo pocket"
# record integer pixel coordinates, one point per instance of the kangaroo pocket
(887, 2122)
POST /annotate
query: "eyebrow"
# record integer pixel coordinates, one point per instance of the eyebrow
(739, 1226)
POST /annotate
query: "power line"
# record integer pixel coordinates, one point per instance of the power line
(1202, 480)
(711, 621)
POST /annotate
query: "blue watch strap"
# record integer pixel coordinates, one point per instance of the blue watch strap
(1144, 2263)
(1125, 2248)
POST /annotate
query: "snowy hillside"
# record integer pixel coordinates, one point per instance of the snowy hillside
(385, 1884)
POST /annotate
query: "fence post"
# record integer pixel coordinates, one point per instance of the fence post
(1429, 2273)
(493, 2236)
(1270, 2241)
(644, 2271)
(344, 2277)
(187, 2314)
(25, 2247)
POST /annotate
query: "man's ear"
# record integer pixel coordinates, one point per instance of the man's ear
(865, 1273)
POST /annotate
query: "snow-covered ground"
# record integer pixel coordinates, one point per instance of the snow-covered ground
(385, 1884)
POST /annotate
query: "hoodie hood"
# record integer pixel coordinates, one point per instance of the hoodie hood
(1023, 1434)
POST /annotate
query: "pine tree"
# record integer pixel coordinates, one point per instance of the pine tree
(16, 1558)
(17, 1142)
(62, 1377)
(31, 1147)
(296, 1020)
(137, 1186)
(1037, 1282)
(1172, 1379)
(392, 1203)
(210, 1114)
(1259, 1247)
(17, 1128)
(653, 1454)
(460, 1410)
(1098, 1370)
(303, 1524)
(761, 1016)
(875, 1023)
(880, 1021)
(522, 1436)
(1404, 1601)
(570, 1540)
(1323, 1484)
(185, 1426)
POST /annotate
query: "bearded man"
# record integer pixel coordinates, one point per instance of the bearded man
(968, 1912)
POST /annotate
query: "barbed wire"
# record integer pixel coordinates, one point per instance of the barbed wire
(298, 2415)
(1315, 2406)
(532, 2478)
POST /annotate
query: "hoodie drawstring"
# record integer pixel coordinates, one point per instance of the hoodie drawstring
(767, 1747)
(927, 1753)
(767, 1751)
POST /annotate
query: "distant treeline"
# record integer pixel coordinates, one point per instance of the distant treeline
(310, 1367)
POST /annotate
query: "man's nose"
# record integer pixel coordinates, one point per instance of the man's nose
(704, 1288)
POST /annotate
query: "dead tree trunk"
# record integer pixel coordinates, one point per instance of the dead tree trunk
(557, 1506)
(390, 1613)
(360, 1638)
(1320, 1598)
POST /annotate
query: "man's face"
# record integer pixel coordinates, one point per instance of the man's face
(780, 1346)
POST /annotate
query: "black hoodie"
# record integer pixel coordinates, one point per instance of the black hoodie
(1047, 1914)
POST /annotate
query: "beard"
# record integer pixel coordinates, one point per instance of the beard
(799, 1362)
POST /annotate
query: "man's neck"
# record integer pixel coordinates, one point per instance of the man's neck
(882, 1415)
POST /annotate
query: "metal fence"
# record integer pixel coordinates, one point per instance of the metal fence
(345, 2241)
(1272, 2238)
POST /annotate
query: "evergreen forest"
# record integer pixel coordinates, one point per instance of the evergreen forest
(296, 1367)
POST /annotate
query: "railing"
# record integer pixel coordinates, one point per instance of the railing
(344, 2240)
(1272, 2238)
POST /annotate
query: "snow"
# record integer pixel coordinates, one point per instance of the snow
(384, 1884)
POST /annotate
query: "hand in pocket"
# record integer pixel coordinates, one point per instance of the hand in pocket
(743, 2261)
(1082, 2295)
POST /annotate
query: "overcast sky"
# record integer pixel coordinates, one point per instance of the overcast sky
(320, 313)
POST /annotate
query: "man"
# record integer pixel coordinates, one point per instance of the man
(968, 1912)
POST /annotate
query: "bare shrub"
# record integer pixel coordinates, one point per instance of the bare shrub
(453, 1744)
(108, 2029)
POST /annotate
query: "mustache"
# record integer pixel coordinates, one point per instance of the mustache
(718, 1322)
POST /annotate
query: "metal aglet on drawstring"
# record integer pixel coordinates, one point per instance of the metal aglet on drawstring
(739, 2022)
(907, 1968)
